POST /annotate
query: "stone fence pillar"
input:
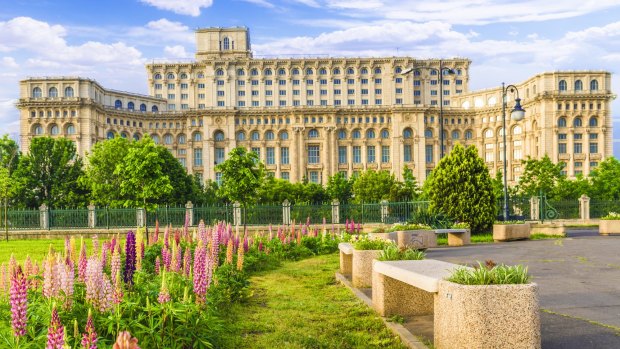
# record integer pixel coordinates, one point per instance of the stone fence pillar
(44, 217)
(236, 214)
(189, 213)
(140, 217)
(384, 211)
(584, 207)
(92, 217)
(535, 208)
(335, 211)
(286, 212)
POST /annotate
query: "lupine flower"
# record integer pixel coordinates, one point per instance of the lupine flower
(125, 341)
(98, 288)
(359, 228)
(187, 261)
(28, 269)
(115, 264)
(95, 241)
(260, 245)
(200, 275)
(167, 236)
(67, 280)
(229, 252)
(55, 332)
(48, 277)
(173, 258)
(166, 257)
(117, 296)
(178, 260)
(130, 257)
(4, 284)
(156, 234)
(12, 264)
(89, 338)
(113, 246)
(240, 253)
(157, 265)
(67, 246)
(34, 283)
(104, 254)
(164, 294)
(73, 254)
(82, 262)
(19, 301)
(139, 248)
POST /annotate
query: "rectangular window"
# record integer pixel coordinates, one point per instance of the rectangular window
(323, 102)
(377, 81)
(578, 136)
(309, 82)
(182, 161)
(256, 150)
(593, 147)
(593, 163)
(220, 83)
(201, 85)
(171, 96)
(577, 148)
(197, 156)
(385, 154)
(399, 90)
(337, 102)
(350, 101)
(561, 135)
(578, 164)
(282, 82)
(433, 92)
(184, 106)
(399, 101)
(377, 91)
(201, 106)
(342, 155)
(201, 96)
(241, 93)
(314, 177)
(295, 82)
(446, 92)
(378, 101)
(269, 93)
(268, 82)
(295, 92)
(310, 92)
(364, 102)
(184, 86)
(296, 103)
(241, 103)
(282, 92)
(593, 135)
(220, 93)
(364, 91)
(562, 148)
(407, 153)
(313, 154)
(433, 82)
(285, 176)
(310, 103)
(399, 80)
(171, 106)
(417, 83)
(459, 82)
(323, 92)
(271, 157)
(255, 103)
(282, 103)
(323, 81)
(254, 82)
(417, 93)
(220, 103)
(364, 81)
(158, 86)
(370, 154)
(336, 81)
(428, 150)
(337, 92)
(357, 154)
(284, 160)
(218, 178)
(446, 82)
(219, 155)
(350, 81)
(171, 86)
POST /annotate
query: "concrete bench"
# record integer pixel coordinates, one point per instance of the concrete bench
(456, 237)
(346, 258)
(407, 287)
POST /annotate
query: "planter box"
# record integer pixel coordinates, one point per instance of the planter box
(508, 232)
(609, 227)
(383, 236)
(361, 276)
(494, 316)
(418, 239)
(549, 229)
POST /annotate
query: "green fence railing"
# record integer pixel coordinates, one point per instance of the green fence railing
(21, 219)
(601, 208)
(63, 218)
(567, 209)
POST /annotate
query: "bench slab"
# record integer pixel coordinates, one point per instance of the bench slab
(424, 274)
(345, 248)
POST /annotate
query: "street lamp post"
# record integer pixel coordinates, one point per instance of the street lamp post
(516, 114)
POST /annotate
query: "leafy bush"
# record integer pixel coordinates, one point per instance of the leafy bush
(490, 274)
(611, 216)
(370, 244)
(378, 231)
(394, 253)
(401, 227)
(436, 220)
(460, 225)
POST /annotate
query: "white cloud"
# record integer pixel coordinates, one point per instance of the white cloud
(154, 32)
(8, 62)
(182, 7)
(311, 3)
(262, 3)
(9, 117)
(177, 51)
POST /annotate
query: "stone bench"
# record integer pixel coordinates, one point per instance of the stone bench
(407, 287)
(346, 258)
(456, 237)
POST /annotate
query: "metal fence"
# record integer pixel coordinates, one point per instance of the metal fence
(21, 219)
(601, 208)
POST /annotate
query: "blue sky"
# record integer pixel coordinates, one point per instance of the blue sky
(110, 41)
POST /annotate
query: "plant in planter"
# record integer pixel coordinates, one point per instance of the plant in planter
(494, 306)
(610, 224)
(394, 253)
(419, 236)
(511, 230)
(365, 250)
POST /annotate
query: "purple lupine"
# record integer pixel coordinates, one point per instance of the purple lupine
(200, 275)
(19, 301)
(260, 245)
(55, 332)
(166, 257)
(246, 244)
(187, 261)
(89, 338)
(82, 262)
(130, 257)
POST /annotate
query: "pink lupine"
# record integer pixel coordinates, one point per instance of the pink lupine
(164, 294)
(156, 234)
(34, 283)
(113, 243)
(4, 283)
(67, 280)
(67, 246)
(187, 261)
(167, 236)
(359, 228)
(99, 291)
(82, 261)
(89, 338)
(115, 264)
(104, 254)
(55, 332)
(260, 245)
(48, 277)
(178, 261)
(157, 265)
(166, 257)
(117, 295)
(95, 241)
(200, 273)
(19, 301)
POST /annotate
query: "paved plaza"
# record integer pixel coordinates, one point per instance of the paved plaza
(579, 280)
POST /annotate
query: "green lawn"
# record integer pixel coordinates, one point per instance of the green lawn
(442, 239)
(36, 249)
(301, 305)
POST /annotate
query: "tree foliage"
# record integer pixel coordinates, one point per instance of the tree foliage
(242, 176)
(460, 186)
(373, 186)
(606, 180)
(540, 176)
(339, 187)
(100, 175)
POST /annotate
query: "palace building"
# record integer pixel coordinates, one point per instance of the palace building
(314, 117)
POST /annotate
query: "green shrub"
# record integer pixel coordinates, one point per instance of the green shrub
(401, 227)
(509, 222)
(394, 253)
(436, 220)
(368, 244)
(611, 216)
(460, 225)
(378, 231)
(490, 274)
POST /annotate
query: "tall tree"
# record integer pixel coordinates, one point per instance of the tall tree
(407, 190)
(184, 188)
(606, 180)
(373, 186)
(242, 176)
(338, 187)
(461, 187)
(50, 173)
(540, 176)
(9, 160)
(100, 176)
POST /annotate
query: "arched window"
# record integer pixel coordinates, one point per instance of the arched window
(240, 72)
(154, 109)
(428, 133)
(226, 43)
(356, 134)
(255, 136)
(157, 76)
(37, 129)
(219, 72)
(269, 135)
(155, 138)
(336, 71)
(295, 71)
(500, 132)
(124, 135)
(197, 136)
(168, 138)
(407, 133)
(578, 85)
(54, 130)
(219, 136)
(593, 85)
(110, 135)
(136, 136)
(130, 106)
(323, 71)
(517, 130)
(200, 75)
(268, 72)
(593, 121)
(183, 75)
(118, 104)
(377, 70)
(142, 107)
(469, 134)
(562, 122)
(281, 71)
(416, 72)
(53, 92)
(342, 134)
(309, 71)
(170, 76)
(313, 133)
(370, 134)
(37, 93)
(456, 134)
(70, 129)
(284, 135)
(254, 72)
(577, 122)
(562, 85)
(68, 91)
(385, 134)
(181, 139)
(488, 133)
(364, 71)
(433, 72)
(398, 70)
(241, 136)
(459, 72)
(350, 71)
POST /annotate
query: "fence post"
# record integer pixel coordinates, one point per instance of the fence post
(237, 214)
(140, 217)
(44, 217)
(384, 210)
(92, 217)
(584, 207)
(286, 212)
(335, 211)
(535, 208)
(189, 212)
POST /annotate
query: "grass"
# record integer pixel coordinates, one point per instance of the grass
(442, 239)
(301, 305)
(539, 236)
(36, 249)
